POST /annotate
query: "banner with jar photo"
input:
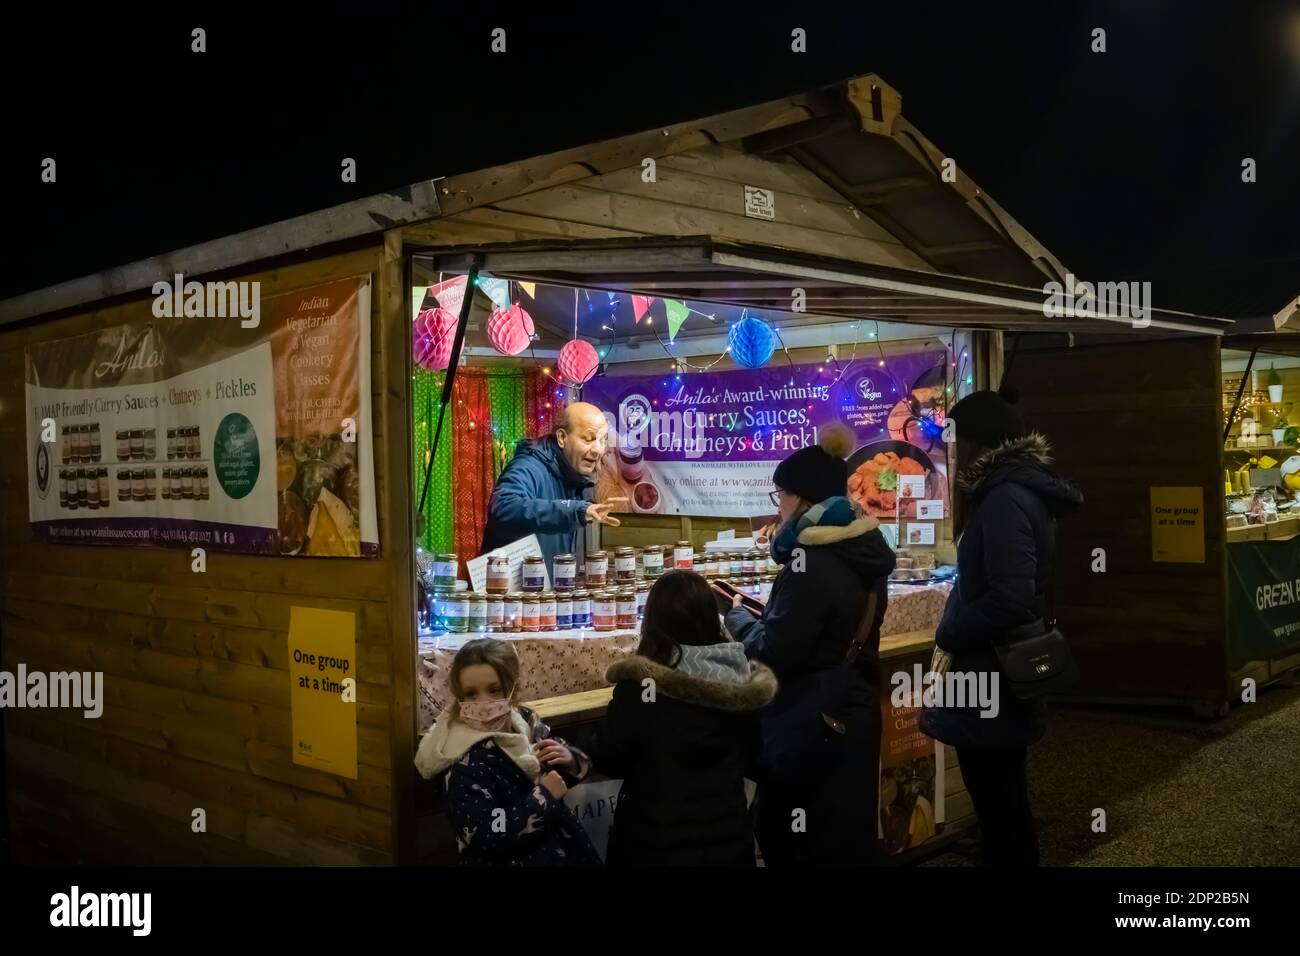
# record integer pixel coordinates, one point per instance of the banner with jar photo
(236, 434)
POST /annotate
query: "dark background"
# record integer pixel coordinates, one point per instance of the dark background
(1126, 165)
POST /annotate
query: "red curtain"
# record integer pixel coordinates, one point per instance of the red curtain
(472, 454)
(544, 401)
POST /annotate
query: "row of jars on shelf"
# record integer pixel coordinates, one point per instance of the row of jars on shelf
(600, 609)
(630, 566)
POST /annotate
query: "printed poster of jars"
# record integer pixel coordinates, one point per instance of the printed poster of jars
(706, 443)
(207, 432)
(911, 784)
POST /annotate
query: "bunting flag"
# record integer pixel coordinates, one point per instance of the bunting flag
(418, 292)
(450, 294)
(530, 288)
(498, 290)
(640, 304)
(677, 313)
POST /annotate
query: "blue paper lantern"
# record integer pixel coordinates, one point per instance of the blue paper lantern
(752, 342)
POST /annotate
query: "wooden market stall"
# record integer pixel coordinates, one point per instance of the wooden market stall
(832, 192)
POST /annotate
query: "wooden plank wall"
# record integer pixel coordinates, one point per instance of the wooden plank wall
(196, 671)
(1121, 419)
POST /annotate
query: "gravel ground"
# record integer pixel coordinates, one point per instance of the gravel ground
(1177, 791)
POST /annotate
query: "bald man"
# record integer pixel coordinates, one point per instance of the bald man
(544, 490)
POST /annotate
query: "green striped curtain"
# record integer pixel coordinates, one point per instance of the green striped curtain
(506, 394)
(426, 391)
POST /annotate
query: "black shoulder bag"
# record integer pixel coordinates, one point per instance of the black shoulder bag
(1041, 664)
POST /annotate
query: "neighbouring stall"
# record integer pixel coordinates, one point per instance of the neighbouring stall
(306, 562)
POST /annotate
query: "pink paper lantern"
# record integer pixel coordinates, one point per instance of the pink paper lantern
(578, 361)
(510, 330)
(433, 332)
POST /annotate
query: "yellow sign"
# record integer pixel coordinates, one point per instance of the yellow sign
(1178, 525)
(323, 689)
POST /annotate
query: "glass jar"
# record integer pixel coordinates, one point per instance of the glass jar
(65, 446)
(190, 442)
(63, 487)
(72, 434)
(737, 564)
(96, 449)
(652, 560)
(445, 567)
(530, 612)
(597, 569)
(563, 610)
(124, 484)
(566, 572)
(166, 486)
(91, 499)
(496, 612)
(625, 565)
(202, 484)
(724, 567)
(625, 612)
(581, 608)
(72, 489)
(457, 603)
(642, 592)
(604, 610)
(477, 612)
(749, 563)
(139, 490)
(498, 575)
(710, 567)
(137, 444)
(683, 556)
(546, 611)
(187, 483)
(123, 442)
(534, 573)
(178, 490)
(513, 611)
(171, 444)
(439, 621)
(151, 483)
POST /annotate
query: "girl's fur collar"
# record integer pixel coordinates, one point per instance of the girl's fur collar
(753, 694)
(1032, 449)
(830, 534)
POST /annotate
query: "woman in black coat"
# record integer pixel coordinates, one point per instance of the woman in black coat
(680, 731)
(1007, 503)
(818, 784)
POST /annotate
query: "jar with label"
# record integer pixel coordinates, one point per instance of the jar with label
(597, 569)
(546, 611)
(683, 556)
(92, 490)
(178, 490)
(137, 444)
(581, 608)
(770, 563)
(187, 482)
(513, 611)
(171, 444)
(477, 612)
(496, 612)
(642, 592)
(72, 489)
(151, 483)
(63, 487)
(604, 610)
(652, 560)
(749, 563)
(625, 566)
(724, 567)
(498, 575)
(72, 442)
(563, 610)
(444, 570)
(709, 566)
(105, 495)
(626, 609)
(150, 444)
(737, 564)
(457, 611)
(122, 441)
(530, 614)
(202, 484)
(65, 446)
(438, 617)
(96, 449)
(166, 485)
(124, 484)
(566, 572)
(139, 490)
(534, 573)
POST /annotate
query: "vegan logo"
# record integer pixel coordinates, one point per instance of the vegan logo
(867, 390)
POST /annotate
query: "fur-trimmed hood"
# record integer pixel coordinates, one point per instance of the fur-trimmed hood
(1026, 462)
(754, 694)
(824, 534)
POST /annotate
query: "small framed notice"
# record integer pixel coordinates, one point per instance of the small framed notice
(760, 203)
(920, 533)
(930, 509)
(911, 486)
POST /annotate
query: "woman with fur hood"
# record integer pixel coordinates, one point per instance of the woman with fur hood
(818, 773)
(1006, 507)
(681, 731)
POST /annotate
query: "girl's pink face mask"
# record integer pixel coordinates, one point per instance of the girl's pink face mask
(487, 715)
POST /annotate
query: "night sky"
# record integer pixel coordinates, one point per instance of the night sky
(1127, 164)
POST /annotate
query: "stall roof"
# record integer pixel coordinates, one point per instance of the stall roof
(948, 253)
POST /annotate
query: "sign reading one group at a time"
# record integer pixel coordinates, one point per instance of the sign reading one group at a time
(205, 431)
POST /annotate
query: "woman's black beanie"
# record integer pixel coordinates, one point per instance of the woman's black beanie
(819, 471)
(989, 418)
